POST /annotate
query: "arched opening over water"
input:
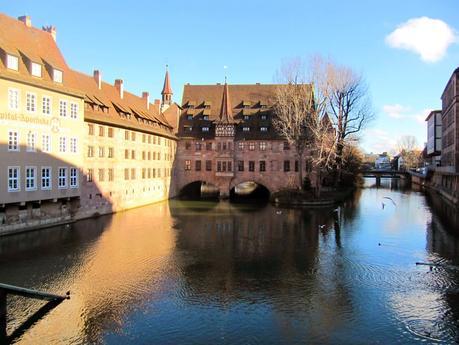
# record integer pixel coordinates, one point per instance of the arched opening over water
(249, 191)
(198, 190)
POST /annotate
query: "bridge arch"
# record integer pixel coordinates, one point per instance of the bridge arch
(199, 189)
(248, 191)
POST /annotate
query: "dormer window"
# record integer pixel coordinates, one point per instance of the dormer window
(36, 69)
(263, 117)
(57, 75)
(189, 117)
(246, 117)
(12, 62)
(205, 117)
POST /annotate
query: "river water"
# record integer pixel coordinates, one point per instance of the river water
(188, 272)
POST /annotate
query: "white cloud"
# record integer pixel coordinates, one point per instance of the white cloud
(430, 38)
(395, 111)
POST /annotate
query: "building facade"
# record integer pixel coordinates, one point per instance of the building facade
(434, 137)
(450, 124)
(72, 145)
(227, 138)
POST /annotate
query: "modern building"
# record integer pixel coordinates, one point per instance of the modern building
(450, 124)
(383, 161)
(227, 139)
(434, 137)
(72, 145)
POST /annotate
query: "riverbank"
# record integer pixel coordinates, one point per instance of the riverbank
(294, 197)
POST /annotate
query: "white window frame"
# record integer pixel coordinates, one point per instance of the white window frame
(62, 144)
(59, 177)
(16, 101)
(35, 69)
(46, 178)
(49, 106)
(246, 129)
(205, 129)
(31, 107)
(12, 62)
(62, 108)
(47, 147)
(17, 179)
(74, 145)
(57, 75)
(73, 184)
(263, 129)
(73, 110)
(31, 144)
(15, 147)
(32, 179)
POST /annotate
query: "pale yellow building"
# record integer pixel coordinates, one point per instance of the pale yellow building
(41, 128)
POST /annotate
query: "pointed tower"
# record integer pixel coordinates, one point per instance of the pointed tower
(225, 124)
(167, 91)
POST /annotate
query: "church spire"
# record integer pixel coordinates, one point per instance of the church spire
(226, 113)
(167, 90)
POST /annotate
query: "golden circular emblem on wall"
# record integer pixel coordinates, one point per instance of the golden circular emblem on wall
(55, 124)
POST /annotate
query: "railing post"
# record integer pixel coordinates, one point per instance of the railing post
(2, 315)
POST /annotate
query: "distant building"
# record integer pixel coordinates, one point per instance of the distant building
(450, 124)
(383, 161)
(434, 137)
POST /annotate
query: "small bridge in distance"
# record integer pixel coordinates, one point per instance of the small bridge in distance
(384, 173)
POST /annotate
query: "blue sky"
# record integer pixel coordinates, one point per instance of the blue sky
(134, 40)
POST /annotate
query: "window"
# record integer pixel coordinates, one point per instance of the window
(188, 128)
(189, 117)
(110, 132)
(62, 178)
(101, 131)
(31, 102)
(73, 145)
(30, 178)
(197, 146)
(219, 166)
(246, 129)
(90, 129)
(46, 143)
(46, 105)
(240, 165)
(241, 146)
(208, 165)
(73, 110)
(251, 146)
(126, 135)
(13, 141)
(132, 154)
(246, 117)
(187, 145)
(12, 62)
(197, 166)
(13, 179)
(149, 139)
(31, 141)
(263, 146)
(144, 138)
(187, 164)
(73, 177)
(36, 69)
(13, 99)
(126, 154)
(143, 155)
(205, 117)
(46, 178)
(101, 175)
(90, 151)
(144, 173)
(133, 136)
(57, 75)
(296, 166)
(149, 155)
(111, 174)
(101, 151)
(154, 172)
(90, 175)
(263, 117)
(132, 173)
(263, 129)
(110, 152)
(62, 144)
(205, 129)
(159, 141)
(286, 145)
(286, 166)
(209, 146)
(62, 108)
(251, 166)
(262, 166)
(126, 174)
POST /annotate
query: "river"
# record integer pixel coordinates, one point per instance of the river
(218, 273)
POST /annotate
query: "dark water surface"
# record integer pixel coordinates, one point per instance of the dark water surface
(184, 272)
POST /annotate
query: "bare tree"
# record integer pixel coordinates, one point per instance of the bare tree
(293, 104)
(347, 101)
(407, 145)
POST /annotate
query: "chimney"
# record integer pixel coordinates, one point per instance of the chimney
(52, 30)
(26, 20)
(146, 97)
(119, 87)
(98, 78)
(157, 101)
